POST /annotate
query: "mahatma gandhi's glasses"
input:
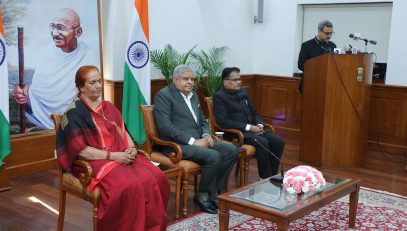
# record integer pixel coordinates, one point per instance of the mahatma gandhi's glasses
(60, 27)
(235, 80)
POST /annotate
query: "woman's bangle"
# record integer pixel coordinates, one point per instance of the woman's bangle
(108, 154)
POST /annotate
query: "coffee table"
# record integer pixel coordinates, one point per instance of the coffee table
(268, 201)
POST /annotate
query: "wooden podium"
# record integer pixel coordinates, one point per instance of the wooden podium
(336, 103)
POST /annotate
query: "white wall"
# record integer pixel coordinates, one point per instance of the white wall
(396, 74)
(183, 23)
(267, 48)
(372, 21)
(279, 39)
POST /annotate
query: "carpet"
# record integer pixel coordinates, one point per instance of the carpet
(377, 210)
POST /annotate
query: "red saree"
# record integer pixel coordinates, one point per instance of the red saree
(134, 196)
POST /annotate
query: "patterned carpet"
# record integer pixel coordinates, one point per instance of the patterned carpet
(377, 210)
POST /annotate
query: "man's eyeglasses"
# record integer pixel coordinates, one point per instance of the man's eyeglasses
(235, 80)
(60, 27)
(328, 33)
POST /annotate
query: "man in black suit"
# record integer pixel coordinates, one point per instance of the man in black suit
(233, 109)
(180, 119)
(317, 46)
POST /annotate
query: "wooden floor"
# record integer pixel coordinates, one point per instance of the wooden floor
(18, 212)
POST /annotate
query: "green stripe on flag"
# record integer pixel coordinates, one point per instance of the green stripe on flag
(4, 137)
(132, 98)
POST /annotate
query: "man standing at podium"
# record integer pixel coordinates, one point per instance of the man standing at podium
(317, 46)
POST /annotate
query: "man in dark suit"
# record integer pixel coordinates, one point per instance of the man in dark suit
(180, 119)
(233, 109)
(316, 46)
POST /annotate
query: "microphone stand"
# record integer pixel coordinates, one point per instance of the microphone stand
(275, 178)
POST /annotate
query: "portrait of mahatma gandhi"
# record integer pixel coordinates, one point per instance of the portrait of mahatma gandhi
(68, 46)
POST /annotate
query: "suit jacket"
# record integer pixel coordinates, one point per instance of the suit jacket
(234, 110)
(174, 119)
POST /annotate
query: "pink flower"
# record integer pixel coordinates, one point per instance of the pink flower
(303, 179)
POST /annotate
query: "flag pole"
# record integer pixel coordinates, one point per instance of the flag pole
(20, 30)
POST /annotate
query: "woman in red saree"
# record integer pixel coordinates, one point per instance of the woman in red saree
(134, 192)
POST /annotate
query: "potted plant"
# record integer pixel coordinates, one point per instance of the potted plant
(209, 68)
(168, 59)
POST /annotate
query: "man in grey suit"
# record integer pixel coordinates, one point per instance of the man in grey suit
(180, 119)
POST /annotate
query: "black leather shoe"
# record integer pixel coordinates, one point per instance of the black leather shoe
(206, 206)
(215, 203)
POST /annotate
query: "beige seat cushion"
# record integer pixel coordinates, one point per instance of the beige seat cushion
(72, 182)
(251, 150)
(186, 164)
(73, 185)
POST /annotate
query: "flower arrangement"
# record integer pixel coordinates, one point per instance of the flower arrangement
(302, 179)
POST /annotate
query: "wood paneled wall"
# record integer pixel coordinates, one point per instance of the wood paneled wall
(388, 115)
(31, 153)
(280, 103)
(276, 98)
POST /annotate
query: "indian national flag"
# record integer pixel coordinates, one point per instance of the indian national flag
(4, 124)
(136, 89)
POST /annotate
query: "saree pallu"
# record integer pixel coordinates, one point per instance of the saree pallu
(134, 196)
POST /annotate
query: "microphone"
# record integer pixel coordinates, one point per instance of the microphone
(356, 36)
(374, 42)
(276, 178)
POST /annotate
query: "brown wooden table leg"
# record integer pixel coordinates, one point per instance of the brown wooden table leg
(353, 206)
(223, 216)
(282, 225)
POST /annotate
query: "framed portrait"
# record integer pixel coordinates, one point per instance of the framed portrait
(46, 42)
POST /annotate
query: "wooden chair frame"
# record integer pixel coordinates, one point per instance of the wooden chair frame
(69, 183)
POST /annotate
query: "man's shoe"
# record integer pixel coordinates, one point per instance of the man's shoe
(206, 206)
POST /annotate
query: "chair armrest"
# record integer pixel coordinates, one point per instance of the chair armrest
(146, 154)
(176, 156)
(269, 127)
(86, 176)
(239, 141)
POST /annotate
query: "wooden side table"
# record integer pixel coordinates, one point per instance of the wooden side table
(174, 171)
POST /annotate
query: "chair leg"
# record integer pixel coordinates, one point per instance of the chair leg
(246, 171)
(61, 213)
(195, 184)
(95, 218)
(226, 187)
(177, 195)
(185, 195)
(237, 170)
(243, 173)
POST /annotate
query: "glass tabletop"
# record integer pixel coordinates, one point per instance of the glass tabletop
(272, 194)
